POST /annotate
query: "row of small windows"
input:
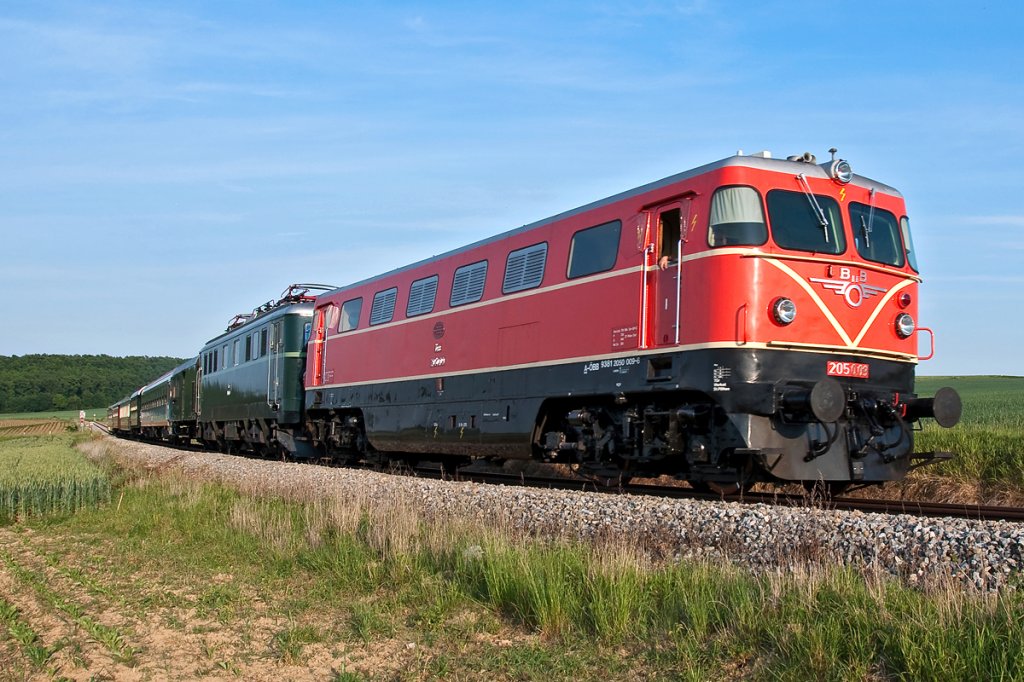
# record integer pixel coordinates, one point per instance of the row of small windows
(243, 349)
(592, 250)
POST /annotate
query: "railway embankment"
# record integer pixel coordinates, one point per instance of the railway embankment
(981, 555)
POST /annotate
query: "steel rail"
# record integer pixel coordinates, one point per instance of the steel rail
(808, 501)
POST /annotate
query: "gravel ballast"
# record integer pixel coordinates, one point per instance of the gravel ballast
(982, 555)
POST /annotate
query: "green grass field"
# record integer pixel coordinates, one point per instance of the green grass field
(184, 579)
(989, 440)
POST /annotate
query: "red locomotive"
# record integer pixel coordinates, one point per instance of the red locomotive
(749, 320)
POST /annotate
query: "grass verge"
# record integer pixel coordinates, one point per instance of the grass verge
(365, 588)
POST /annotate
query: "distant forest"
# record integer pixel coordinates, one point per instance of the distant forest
(36, 383)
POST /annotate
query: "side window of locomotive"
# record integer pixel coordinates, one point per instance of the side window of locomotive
(263, 342)
(524, 268)
(908, 242)
(421, 296)
(798, 225)
(876, 234)
(383, 308)
(350, 314)
(669, 231)
(468, 284)
(737, 218)
(594, 249)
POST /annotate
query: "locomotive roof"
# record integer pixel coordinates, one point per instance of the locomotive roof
(290, 308)
(757, 161)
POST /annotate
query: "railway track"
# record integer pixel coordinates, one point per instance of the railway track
(868, 505)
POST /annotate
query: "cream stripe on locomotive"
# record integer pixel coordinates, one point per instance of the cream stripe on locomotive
(852, 344)
(814, 297)
(774, 259)
(494, 301)
(877, 354)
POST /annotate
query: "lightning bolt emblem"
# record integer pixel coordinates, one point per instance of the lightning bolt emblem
(842, 194)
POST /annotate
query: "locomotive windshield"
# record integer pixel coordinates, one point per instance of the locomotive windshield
(908, 242)
(796, 223)
(876, 235)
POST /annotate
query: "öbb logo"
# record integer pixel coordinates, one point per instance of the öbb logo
(851, 285)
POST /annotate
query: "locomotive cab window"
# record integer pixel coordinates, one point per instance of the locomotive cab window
(806, 222)
(670, 231)
(383, 308)
(468, 284)
(908, 242)
(350, 314)
(524, 268)
(594, 249)
(737, 218)
(876, 235)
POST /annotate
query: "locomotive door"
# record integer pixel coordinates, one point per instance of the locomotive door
(666, 246)
(325, 318)
(274, 367)
(197, 390)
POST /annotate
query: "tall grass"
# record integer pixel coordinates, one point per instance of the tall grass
(45, 475)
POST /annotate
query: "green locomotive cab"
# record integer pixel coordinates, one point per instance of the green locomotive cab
(249, 392)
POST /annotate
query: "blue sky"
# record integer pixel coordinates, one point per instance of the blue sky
(166, 165)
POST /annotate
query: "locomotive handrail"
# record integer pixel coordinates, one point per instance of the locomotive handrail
(643, 297)
(931, 336)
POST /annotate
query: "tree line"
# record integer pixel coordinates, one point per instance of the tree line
(38, 383)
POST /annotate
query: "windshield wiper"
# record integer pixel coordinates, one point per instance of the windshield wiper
(871, 217)
(822, 220)
(865, 228)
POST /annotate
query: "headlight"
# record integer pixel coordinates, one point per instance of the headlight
(904, 325)
(841, 171)
(783, 310)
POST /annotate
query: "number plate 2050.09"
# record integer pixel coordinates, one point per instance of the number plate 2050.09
(852, 370)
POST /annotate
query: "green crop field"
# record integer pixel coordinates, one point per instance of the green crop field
(989, 440)
(44, 475)
(92, 414)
